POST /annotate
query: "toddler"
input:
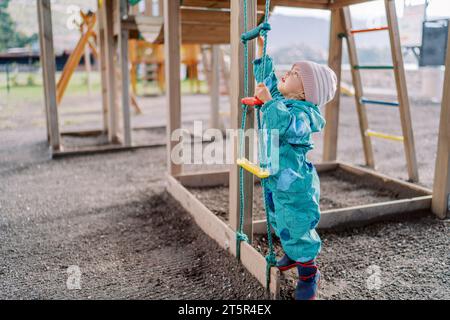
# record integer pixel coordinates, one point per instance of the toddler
(291, 106)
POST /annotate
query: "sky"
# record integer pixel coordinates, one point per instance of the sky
(436, 8)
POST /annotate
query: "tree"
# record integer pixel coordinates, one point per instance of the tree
(9, 36)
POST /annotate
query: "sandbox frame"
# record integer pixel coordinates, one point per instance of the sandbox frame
(225, 234)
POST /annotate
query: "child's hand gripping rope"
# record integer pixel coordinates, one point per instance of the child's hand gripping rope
(263, 93)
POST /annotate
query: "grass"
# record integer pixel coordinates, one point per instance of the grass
(27, 87)
(21, 88)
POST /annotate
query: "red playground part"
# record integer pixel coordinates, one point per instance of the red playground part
(252, 101)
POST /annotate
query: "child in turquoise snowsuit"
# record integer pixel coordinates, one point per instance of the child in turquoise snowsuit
(292, 107)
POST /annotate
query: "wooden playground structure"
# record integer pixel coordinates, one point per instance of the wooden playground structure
(113, 35)
(222, 21)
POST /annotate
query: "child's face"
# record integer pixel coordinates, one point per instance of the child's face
(291, 83)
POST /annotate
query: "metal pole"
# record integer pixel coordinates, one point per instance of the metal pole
(7, 78)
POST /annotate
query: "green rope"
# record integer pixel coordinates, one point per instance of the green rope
(240, 236)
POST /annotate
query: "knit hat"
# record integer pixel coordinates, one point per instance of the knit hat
(319, 81)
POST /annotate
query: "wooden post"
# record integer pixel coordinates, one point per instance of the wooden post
(215, 88)
(73, 61)
(441, 186)
(87, 62)
(160, 8)
(337, 28)
(44, 76)
(402, 91)
(149, 8)
(360, 108)
(172, 44)
(102, 49)
(48, 67)
(124, 72)
(113, 119)
(206, 61)
(225, 72)
(237, 92)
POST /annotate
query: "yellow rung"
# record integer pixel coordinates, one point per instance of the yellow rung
(371, 133)
(253, 168)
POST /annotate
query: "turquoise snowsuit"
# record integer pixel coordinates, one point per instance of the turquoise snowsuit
(293, 191)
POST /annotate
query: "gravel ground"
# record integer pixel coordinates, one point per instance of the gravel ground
(406, 258)
(109, 215)
(400, 260)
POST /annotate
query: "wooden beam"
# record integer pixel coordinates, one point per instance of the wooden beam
(224, 235)
(172, 36)
(218, 4)
(221, 178)
(223, 4)
(225, 70)
(106, 148)
(148, 11)
(402, 91)
(441, 185)
(362, 215)
(124, 73)
(204, 179)
(326, 166)
(88, 67)
(48, 66)
(357, 83)
(103, 75)
(308, 4)
(332, 109)
(237, 92)
(215, 121)
(198, 26)
(345, 3)
(160, 8)
(113, 116)
(366, 174)
(203, 17)
(74, 59)
(44, 75)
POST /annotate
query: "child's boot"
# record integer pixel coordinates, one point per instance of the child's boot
(308, 282)
(286, 263)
